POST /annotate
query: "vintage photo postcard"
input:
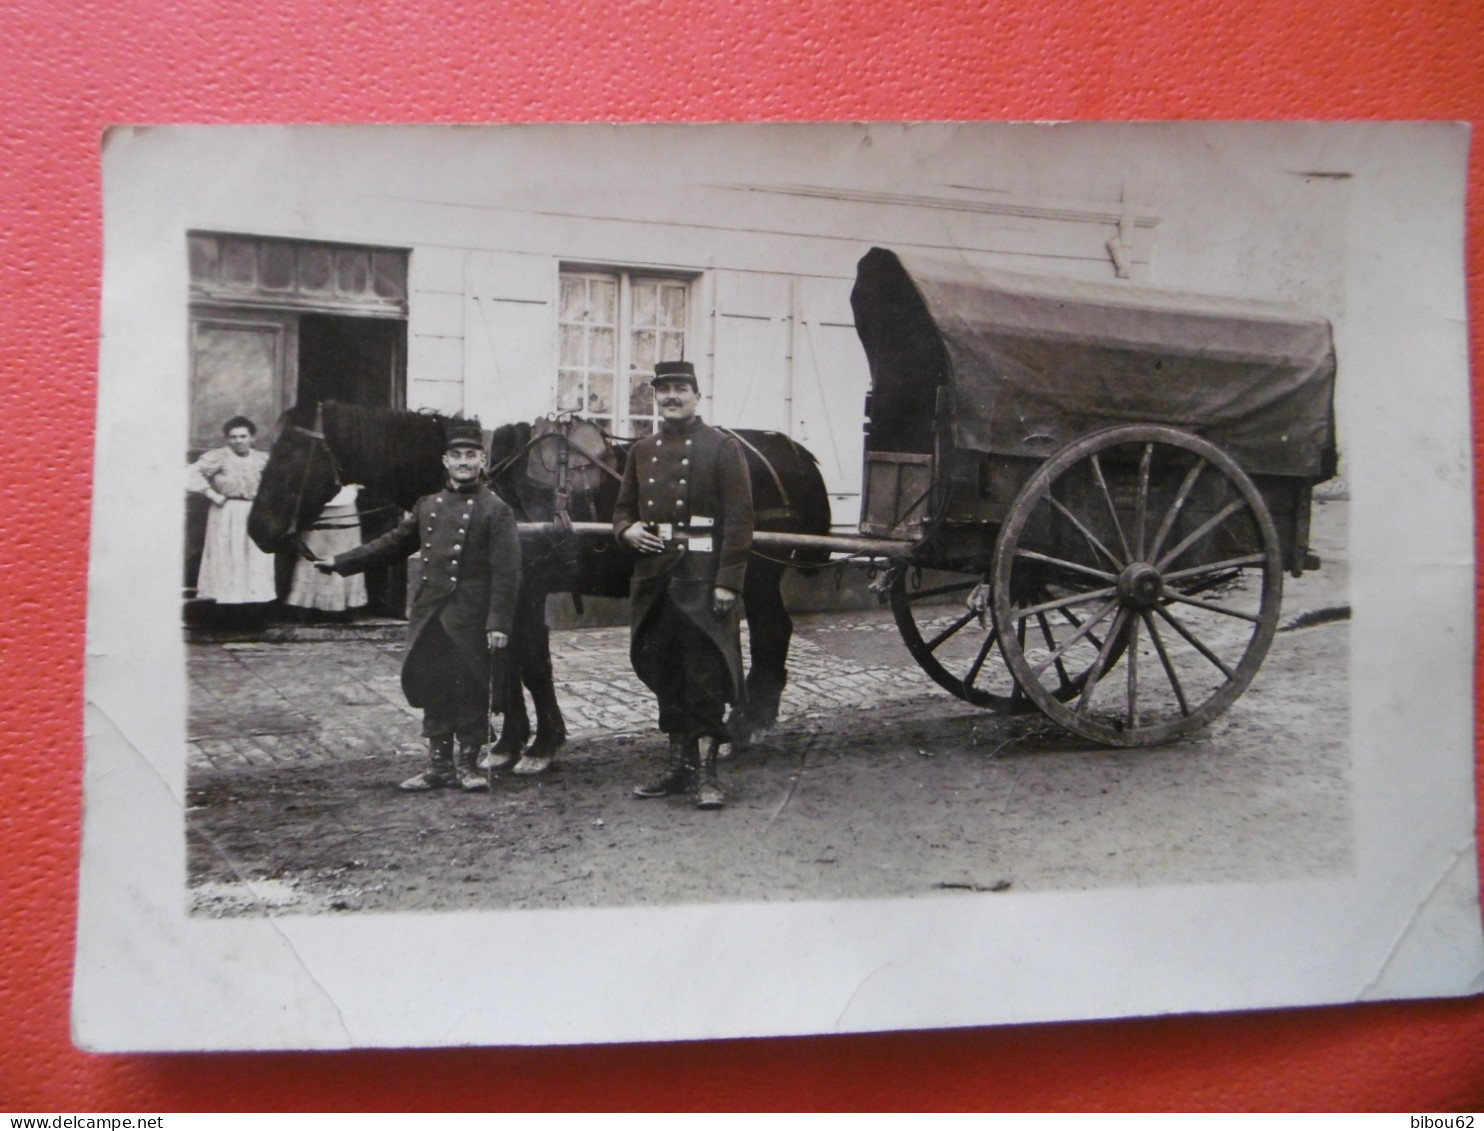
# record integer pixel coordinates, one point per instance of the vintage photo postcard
(621, 583)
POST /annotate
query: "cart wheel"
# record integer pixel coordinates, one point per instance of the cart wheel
(1158, 542)
(959, 649)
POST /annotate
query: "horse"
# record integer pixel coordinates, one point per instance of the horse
(557, 470)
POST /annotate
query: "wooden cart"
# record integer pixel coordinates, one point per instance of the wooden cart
(1102, 485)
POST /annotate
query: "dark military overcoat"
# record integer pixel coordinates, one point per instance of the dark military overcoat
(694, 477)
(467, 545)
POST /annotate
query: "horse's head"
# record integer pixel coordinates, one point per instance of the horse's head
(298, 481)
(507, 463)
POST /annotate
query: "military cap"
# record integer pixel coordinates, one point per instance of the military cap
(463, 434)
(675, 371)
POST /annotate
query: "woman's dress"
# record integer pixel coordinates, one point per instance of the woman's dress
(233, 570)
(341, 531)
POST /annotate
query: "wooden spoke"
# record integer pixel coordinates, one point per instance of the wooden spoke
(1190, 638)
(1078, 624)
(1141, 508)
(1133, 671)
(1063, 564)
(1061, 669)
(1063, 604)
(1095, 673)
(1164, 658)
(1214, 567)
(1017, 694)
(1210, 608)
(980, 658)
(932, 645)
(1086, 533)
(1174, 512)
(1097, 474)
(1201, 531)
(1083, 630)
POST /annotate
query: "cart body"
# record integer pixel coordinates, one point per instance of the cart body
(977, 378)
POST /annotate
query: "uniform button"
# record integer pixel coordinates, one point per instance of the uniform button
(654, 459)
(682, 482)
(461, 530)
(684, 463)
(687, 443)
(659, 443)
(651, 480)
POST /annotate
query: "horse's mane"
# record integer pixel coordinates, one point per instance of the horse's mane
(391, 450)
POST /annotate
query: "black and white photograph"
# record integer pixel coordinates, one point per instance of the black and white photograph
(585, 583)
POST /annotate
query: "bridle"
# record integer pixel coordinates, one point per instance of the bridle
(319, 444)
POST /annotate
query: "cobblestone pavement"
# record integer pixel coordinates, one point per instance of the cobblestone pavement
(261, 703)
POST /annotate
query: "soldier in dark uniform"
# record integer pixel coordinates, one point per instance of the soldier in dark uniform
(461, 616)
(685, 508)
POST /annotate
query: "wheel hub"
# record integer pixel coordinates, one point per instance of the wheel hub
(1140, 585)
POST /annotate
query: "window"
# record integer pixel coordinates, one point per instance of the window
(614, 326)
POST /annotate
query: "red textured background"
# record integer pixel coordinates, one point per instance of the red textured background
(68, 70)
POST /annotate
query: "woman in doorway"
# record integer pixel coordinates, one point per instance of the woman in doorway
(233, 570)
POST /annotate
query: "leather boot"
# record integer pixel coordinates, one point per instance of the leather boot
(439, 774)
(470, 778)
(708, 791)
(679, 771)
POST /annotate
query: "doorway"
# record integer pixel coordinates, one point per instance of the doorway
(360, 361)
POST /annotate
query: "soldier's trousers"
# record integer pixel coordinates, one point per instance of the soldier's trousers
(455, 699)
(686, 671)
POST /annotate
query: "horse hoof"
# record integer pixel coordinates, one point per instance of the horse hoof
(495, 759)
(532, 764)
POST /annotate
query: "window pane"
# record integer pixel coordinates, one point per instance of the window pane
(600, 393)
(605, 301)
(638, 429)
(604, 356)
(672, 346)
(316, 268)
(278, 266)
(672, 306)
(641, 395)
(643, 302)
(204, 259)
(389, 274)
(569, 391)
(573, 355)
(354, 270)
(574, 299)
(604, 422)
(644, 352)
(239, 262)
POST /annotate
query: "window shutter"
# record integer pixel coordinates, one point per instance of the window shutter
(509, 337)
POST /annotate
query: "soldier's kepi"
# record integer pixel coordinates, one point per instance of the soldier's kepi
(685, 508)
(466, 542)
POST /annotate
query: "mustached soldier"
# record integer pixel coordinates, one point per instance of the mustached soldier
(466, 541)
(685, 508)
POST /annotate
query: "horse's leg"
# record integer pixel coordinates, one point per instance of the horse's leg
(516, 731)
(770, 629)
(551, 729)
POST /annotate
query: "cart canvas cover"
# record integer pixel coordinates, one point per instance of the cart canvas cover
(1034, 363)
